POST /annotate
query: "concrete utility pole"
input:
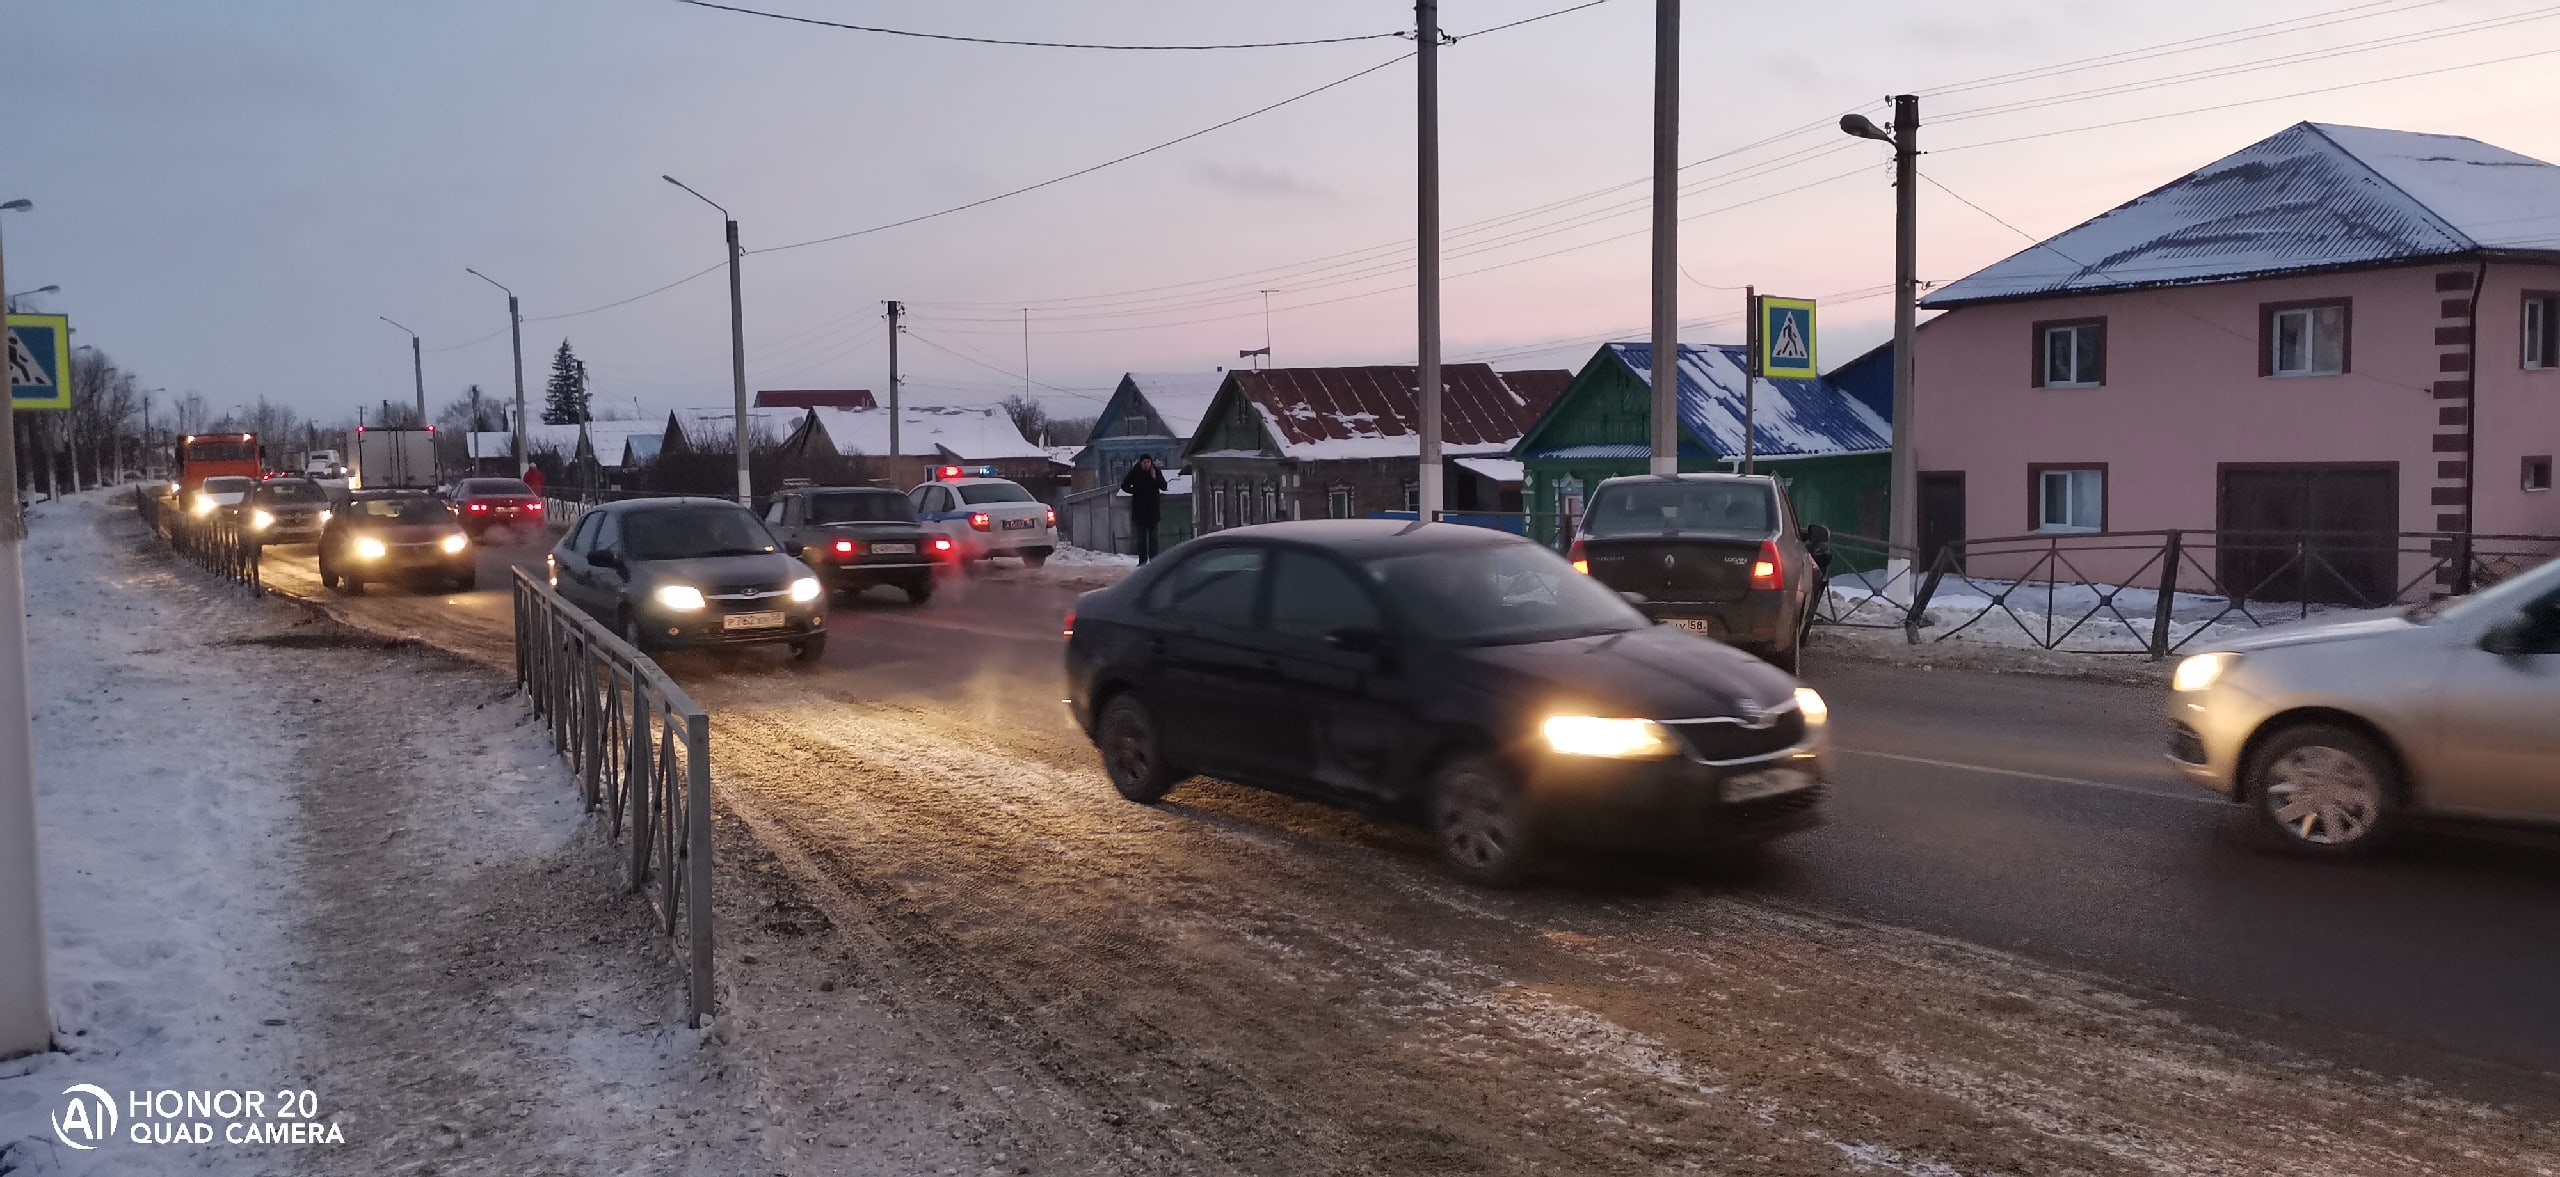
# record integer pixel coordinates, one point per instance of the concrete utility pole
(895, 309)
(1903, 498)
(417, 369)
(737, 344)
(1426, 41)
(1666, 237)
(26, 1008)
(1750, 377)
(515, 328)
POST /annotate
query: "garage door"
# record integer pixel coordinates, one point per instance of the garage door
(2319, 533)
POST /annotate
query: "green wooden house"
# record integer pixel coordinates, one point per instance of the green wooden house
(1831, 451)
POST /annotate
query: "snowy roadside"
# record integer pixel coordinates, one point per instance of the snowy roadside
(283, 856)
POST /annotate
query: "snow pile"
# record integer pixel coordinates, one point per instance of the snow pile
(1071, 556)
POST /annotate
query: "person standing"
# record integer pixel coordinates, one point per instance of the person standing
(1144, 484)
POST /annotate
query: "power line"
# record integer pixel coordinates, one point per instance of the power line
(805, 20)
(2175, 48)
(713, 267)
(999, 370)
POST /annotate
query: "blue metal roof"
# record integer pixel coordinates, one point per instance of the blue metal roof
(1790, 418)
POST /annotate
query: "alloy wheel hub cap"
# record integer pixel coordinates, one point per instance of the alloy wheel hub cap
(2324, 795)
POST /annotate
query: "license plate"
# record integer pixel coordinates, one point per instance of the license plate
(894, 549)
(1751, 786)
(766, 620)
(1020, 524)
(1698, 625)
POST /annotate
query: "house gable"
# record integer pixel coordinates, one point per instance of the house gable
(1232, 424)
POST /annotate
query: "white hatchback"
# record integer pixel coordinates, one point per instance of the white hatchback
(986, 517)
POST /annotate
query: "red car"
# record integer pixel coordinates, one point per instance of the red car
(486, 503)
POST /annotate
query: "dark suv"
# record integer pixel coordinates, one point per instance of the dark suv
(858, 537)
(1715, 554)
(690, 572)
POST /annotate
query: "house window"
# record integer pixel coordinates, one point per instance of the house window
(2537, 472)
(1337, 503)
(2306, 339)
(2071, 498)
(2542, 330)
(2071, 355)
(1412, 496)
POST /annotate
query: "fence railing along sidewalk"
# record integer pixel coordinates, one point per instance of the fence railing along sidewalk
(218, 542)
(641, 750)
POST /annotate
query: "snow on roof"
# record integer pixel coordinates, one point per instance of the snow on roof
(973, 433)
(1324, 414)
(538, 439)
(719, 424)
(608, 438)
(1539, 386)
(1498, 469)
(1180, 399)
(1790, 418)
(2312, 196)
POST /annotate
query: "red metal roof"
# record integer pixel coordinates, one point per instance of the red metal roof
(1539, 386)
(815, 398)
(1312, 406)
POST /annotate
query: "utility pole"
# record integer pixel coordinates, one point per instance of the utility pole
(26, 1007)
(1902, 499)
(515, 330)
(738, 366)
(1750, 375)
(1026, 353)
(1666, 237)
(1426, 41)
(894, 311)
(417, 370)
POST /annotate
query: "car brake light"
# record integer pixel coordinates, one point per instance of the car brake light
(1070, 627)
(942, 545)
(1581, 564)
(844, 547)
(1765, 572)
(978, 520)
(1053, 516)
(477, 508)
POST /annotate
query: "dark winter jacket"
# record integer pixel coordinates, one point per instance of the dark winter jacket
(1145, 489)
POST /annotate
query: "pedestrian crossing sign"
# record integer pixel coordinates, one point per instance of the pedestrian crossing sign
(1785, 334)
(39, 362)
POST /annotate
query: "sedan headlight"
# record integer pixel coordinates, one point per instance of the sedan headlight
(683, 598)
(456, 542)
(327, 514)
(1809, 701)
(369, 548)
(2201, 671)
(204, 505)
(262, 520)
(805, 590)
(1615, 739)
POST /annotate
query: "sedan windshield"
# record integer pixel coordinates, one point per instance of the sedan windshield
(861, 507)
(684, 533)
(407, 509)
(1502, 594)
(2512, 594)
(291, 490)
(1639, 508)
(994, 492)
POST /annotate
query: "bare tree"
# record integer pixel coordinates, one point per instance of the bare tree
(1029, 417)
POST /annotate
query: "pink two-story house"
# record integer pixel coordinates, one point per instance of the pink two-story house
(2337, 331)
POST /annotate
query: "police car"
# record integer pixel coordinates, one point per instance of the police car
(985, 516)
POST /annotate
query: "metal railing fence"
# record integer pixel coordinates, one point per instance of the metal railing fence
(218, 542)
(641, 750)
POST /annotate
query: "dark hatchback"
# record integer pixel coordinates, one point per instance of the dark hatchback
(408, 536)
(1715, 554)
(676, 572)
(1456, 676)
(858, 537)
(287, 511)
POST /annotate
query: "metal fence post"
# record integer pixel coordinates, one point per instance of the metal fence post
(698, 854)
(2161, 610)
(1928, 589)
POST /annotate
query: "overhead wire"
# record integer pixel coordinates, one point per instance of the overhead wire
(1028, 44)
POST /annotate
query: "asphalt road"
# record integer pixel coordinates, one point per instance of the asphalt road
(2029, 815)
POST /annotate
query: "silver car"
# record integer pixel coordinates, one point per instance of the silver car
(2335, 732)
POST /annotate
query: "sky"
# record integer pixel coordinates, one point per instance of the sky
(230, 194)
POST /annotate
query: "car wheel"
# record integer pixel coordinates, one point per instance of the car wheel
(328, 576)
(809, 650)
(1790, 659)
(1132, 752)
(1034, 559)
(466, 582)
(630, 631)
(920, 592)
(351, 583)
(2324, 789)
(1481, 823)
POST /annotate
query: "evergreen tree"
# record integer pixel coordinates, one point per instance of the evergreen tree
(564, 402)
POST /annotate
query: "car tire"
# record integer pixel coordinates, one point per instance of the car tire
(1790, 659)
(2323, 789)
(351, 584)
(1481, 824)
(1133, 751)
(920, 592)
(466, 582)
(1034, 559)
(328, 576)
(807, 651)
(629, 631)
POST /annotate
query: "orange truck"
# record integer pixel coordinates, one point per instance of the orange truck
(213, 455)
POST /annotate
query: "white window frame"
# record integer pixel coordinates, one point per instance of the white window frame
(2309, 317)
(1338, 493)
(2044, 354)
(2070, 477)
(1413, 495)
(2542, 331)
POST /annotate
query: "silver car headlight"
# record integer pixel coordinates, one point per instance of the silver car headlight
(805, 590)
(456, 542)
(262, 520)
(1810, 703)
(683, 598)
(369, 548)
(1613, 739)
(2203, 670)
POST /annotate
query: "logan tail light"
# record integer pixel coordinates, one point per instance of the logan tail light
(1053, 516)
(978, 521)
(1069, 629)
(1765, 571)
(1581, 563)
(844, 547)
(942, 545)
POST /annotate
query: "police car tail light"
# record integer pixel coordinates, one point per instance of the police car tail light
(1765, 572)
(1581, 563)
(1053, 516)
(978, 520)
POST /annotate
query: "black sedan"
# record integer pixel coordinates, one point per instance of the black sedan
(676, 572)
(1457, 676)
(287, 511)
(505, 505)
(1715, 554)
(859, 537)
(395, 535)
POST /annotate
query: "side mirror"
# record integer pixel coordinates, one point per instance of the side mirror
(793, 547)
(1357, 639)
(1817, 536)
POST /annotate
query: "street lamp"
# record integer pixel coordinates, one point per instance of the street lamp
(515, 330)
(737, 343)
(1903, 498)
(417, 369)
(26, 1010)
(13, 299)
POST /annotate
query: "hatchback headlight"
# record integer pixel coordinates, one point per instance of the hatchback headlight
(262, 520)
(370, 548)
(683, 598)
(1809, 701)
(1615, 739)
(2201, 671)
(805, 590)
(204, 504)
(456, 542)
(327, 515)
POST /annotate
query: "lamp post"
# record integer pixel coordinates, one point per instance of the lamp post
(13, 299)
(417, 369)
(515, 328)
(1903, 531)
(737, 343)
(1426, 48)
(1663, 439)
(26, 1009)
